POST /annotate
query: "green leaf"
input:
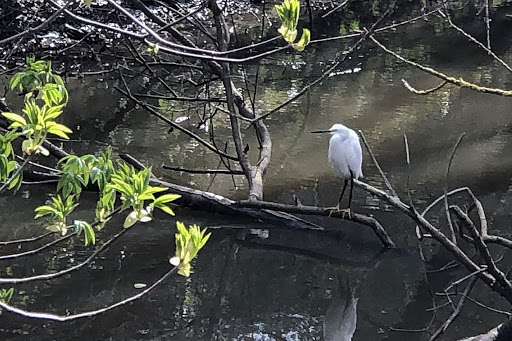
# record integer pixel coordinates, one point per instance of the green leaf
(60, 130)
(165, 198)
(15, 80)
(15, 118)
(89, 235)
(53, 112)
(44, 210)
(304, 40)
(166, 209)
(88, 3)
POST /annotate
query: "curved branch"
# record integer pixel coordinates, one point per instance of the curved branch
(62, 318)
(34, 251)
(63, 272)
(423, 92)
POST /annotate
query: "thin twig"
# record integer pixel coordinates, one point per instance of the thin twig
(27, 240)
(335, 9)
(62, 318)
(446, 207)
(374, 160)
(41, 248)
(16, 173)
(457, 311)
(204, 171)
(66, 271)
(474, 40)
(488, 24)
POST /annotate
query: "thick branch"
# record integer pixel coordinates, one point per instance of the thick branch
(320, 211)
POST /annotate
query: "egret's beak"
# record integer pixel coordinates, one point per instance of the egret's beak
(321, 131)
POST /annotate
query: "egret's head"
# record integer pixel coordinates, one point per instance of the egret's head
(335, 129)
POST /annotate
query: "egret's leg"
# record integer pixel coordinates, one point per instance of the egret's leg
(337, 207)
(342, 192)
(351, 188)
(347, 210)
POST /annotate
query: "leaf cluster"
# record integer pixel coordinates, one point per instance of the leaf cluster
(135, 191)
(57, 212)
(188, 243)
(39, 84)
(8, 163)
(289, 12)
(6, 294)
(38, 80)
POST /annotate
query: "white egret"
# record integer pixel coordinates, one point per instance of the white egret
(345, 156)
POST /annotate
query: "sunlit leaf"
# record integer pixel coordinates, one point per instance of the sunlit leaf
(15, 118)
(166, 209)
(304, 40)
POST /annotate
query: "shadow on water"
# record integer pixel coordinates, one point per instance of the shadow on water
(291, 285)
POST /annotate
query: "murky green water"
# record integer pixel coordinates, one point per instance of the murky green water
(286, 286)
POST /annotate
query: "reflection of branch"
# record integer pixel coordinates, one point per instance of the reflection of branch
(457, 81)
(456, 313)
(446, 208)
(62, 318)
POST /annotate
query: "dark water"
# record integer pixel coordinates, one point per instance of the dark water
(294, 285)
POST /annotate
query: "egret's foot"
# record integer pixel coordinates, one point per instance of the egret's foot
(334, 209)
(346, 211)
(337, 209)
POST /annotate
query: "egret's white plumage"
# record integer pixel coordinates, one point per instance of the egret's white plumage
(345, 155)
